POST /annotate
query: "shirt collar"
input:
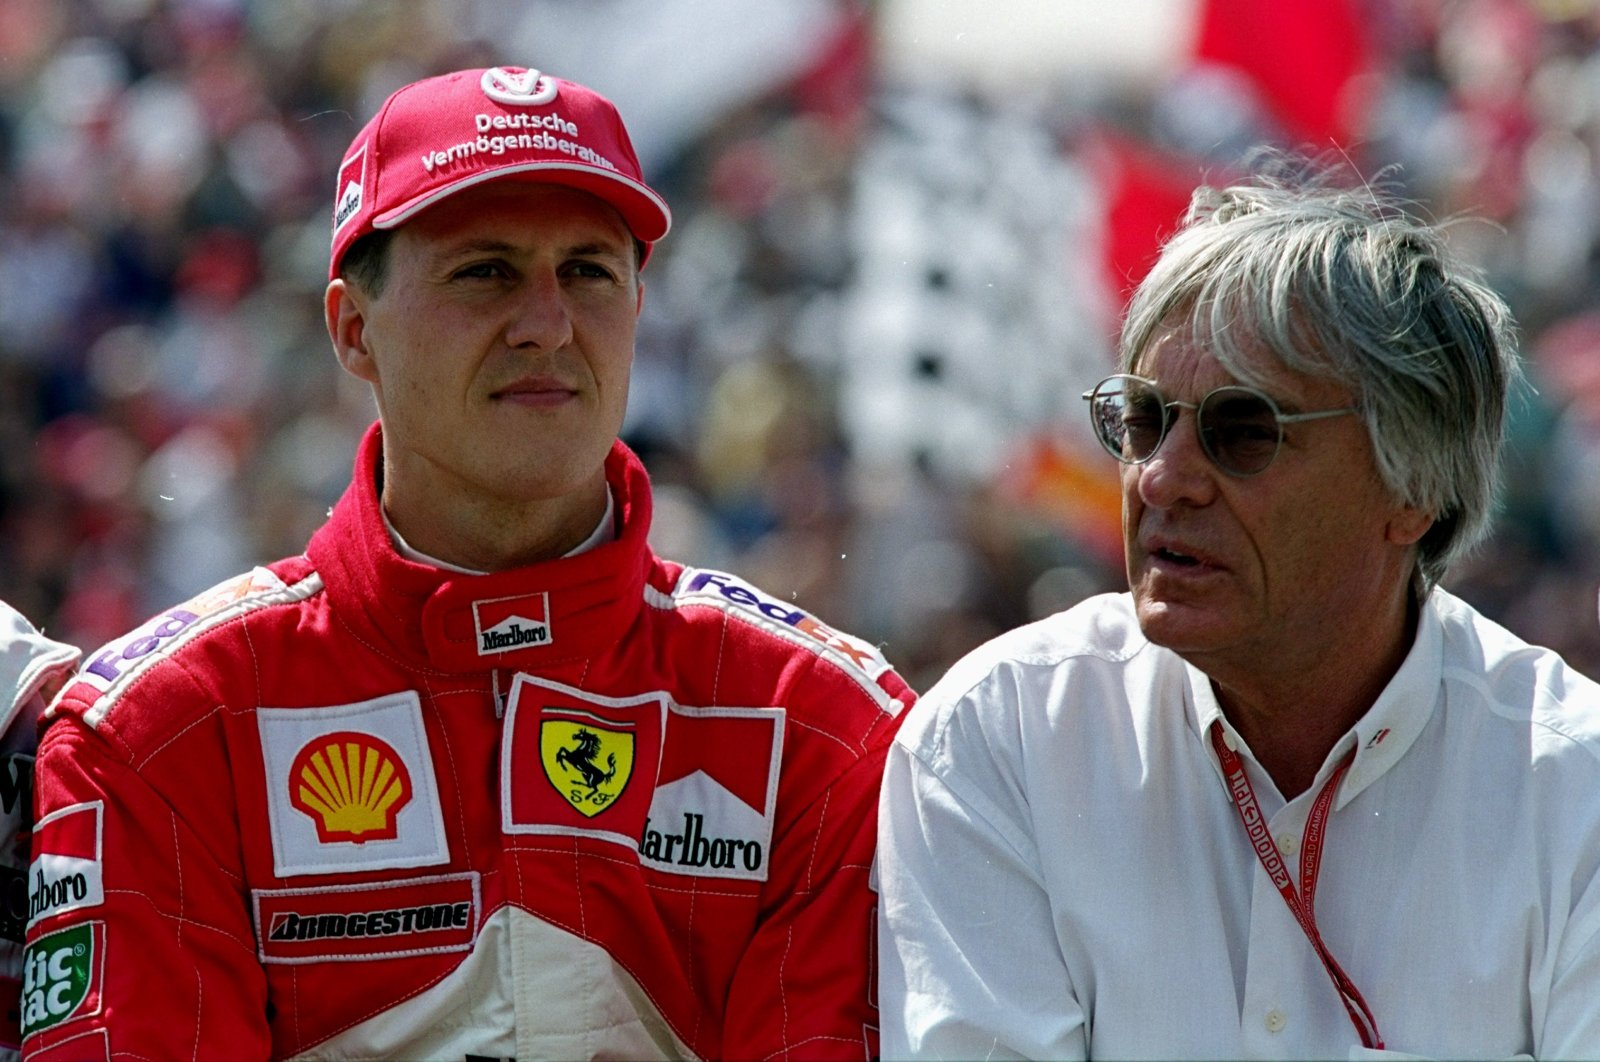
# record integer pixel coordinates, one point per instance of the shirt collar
(1395, 721)
(1380, 737)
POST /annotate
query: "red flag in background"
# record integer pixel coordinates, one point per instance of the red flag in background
(1146, 191)
(1304, 56)
(838, 82)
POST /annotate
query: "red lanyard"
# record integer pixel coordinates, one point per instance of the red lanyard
(1302, 903)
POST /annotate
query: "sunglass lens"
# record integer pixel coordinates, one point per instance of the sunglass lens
(1128, 417)
(1240, 430)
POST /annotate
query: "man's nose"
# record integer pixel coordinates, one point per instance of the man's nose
(1180, 471)
(542, 318)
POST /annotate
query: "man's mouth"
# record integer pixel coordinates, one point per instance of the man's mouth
(1172, 556)
(539, 390)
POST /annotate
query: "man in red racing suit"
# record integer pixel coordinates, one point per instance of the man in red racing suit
(307, 810)
(368, 803)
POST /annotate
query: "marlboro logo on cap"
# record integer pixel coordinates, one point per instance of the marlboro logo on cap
(435, 137)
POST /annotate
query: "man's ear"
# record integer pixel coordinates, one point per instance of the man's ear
(344, 312)
(1407, 526)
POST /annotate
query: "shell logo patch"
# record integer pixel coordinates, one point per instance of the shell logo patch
(352, 785)
(579, 763)
(587, 758)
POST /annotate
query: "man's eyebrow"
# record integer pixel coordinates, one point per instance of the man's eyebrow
(484, 245)
(479, 245)
(619, 248)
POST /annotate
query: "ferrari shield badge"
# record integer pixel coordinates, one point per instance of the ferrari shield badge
(579, 763)
(587, 758)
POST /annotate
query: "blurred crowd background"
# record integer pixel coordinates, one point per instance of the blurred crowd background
(903, 233)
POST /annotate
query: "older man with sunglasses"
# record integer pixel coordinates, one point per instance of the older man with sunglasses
(1287, 797)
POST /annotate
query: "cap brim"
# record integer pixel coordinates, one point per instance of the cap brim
(643, 211)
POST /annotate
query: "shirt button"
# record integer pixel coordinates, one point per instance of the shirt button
(1276, 1020)
(1288, 843)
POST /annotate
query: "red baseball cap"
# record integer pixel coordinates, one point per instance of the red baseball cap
(435, 137)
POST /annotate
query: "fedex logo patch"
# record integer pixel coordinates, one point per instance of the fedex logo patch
(115, 660)
(66, 872)
(712, 811)
(119, 663)
(348, 195)
(702, 585)
(505, 624)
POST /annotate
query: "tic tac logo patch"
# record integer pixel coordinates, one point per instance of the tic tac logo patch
(351, 787)
(505, 624)
(66, 873)
(578, 763)
(526, 88)
(347, 197)
(62, 974)
(381, 920)
(712, 811)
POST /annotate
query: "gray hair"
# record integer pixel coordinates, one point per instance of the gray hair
(1340, 283)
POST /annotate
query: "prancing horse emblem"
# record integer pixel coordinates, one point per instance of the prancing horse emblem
(586, 758)
(581, 758)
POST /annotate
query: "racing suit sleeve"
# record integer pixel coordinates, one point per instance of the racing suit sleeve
(140, 941)
(804, 987)
(969, 969)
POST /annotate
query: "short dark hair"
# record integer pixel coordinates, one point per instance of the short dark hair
(366, 263)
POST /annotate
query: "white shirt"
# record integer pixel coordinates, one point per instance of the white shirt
(1064, 874)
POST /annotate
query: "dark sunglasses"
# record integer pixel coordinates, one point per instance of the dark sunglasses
(1240, 428)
